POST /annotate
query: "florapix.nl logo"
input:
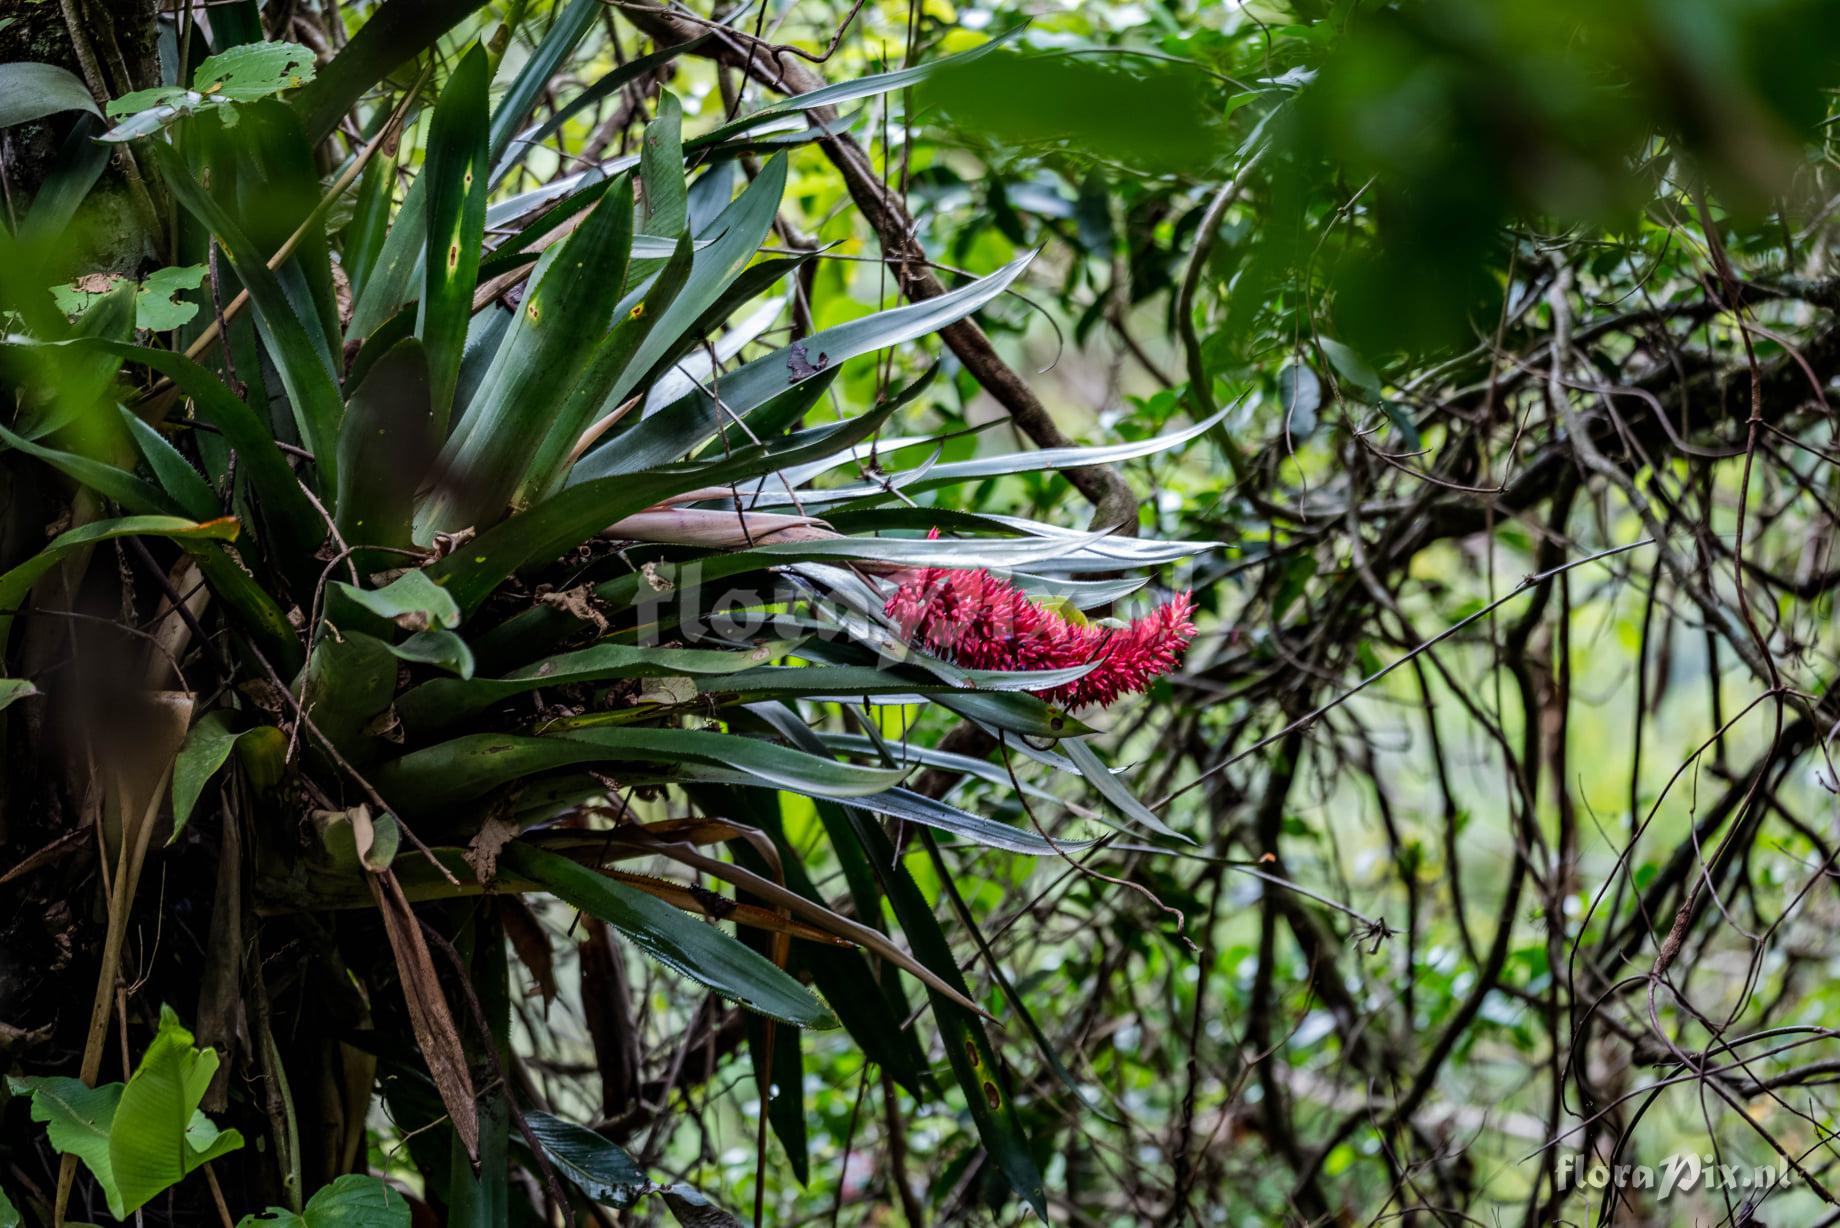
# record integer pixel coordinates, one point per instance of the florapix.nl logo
(1682, 1172)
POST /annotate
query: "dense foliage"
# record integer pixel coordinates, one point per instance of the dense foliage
(902, 613)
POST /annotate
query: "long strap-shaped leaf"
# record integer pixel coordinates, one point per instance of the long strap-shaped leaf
(862, 87)
(561, 522)
(974, 1060)
(17, 583)
(311, 390)
(445, 700)
(701, 952)
(455, 170)
(467, 767)
(565, 312)
(673, 431)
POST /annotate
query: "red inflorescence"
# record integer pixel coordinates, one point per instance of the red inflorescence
(981, 621)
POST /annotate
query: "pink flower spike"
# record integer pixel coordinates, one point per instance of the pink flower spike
(981, 621)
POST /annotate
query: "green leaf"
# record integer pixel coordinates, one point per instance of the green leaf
(850, 91)
(350, 680)
(466, 767)
(444, 700)
(631, 70)
(911, 807)
(387, 442)
(692, 1208)
(182, 483)
(534, 77)
(112, 482)
(158, 1134)
(1114, 791)
(609, 367)
(700, 951)
(973, 1058)
(661, 171)
(370, 221)
(77, 1120)
(9, 1214)
(443, 649)
(1352, 367)
(241, 74)
(30, 91)
(743, 226)
(295, 529)
(14, 689)
(312, 393)
(600, 1168)
(564, 520)
(455, 169)
(355, 1200)
(412, 601)
(140, 1138)
(154, 305)
(16, 584)
(207, 748)
(565, 312)
(674, 431)
(872, 1010)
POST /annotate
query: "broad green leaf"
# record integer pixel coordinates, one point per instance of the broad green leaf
(30, 91)
(9, 1214)
(702, 952)
(466, 767)
(77, 1121)
(155, 306)
(412, 601)
(565, 312)
(158, 1135)
(350, 679)
(600, 1168)
(356, 1200)
(14, 689)
(443, 649)
(613, 359)
(661, 171)
(240, 74)
(387, 442)
(312, 394)
(16, 584)
(455, 168)
(1353, 368)
(207, 748)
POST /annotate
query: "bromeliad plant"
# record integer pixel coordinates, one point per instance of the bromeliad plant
(430, 504)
